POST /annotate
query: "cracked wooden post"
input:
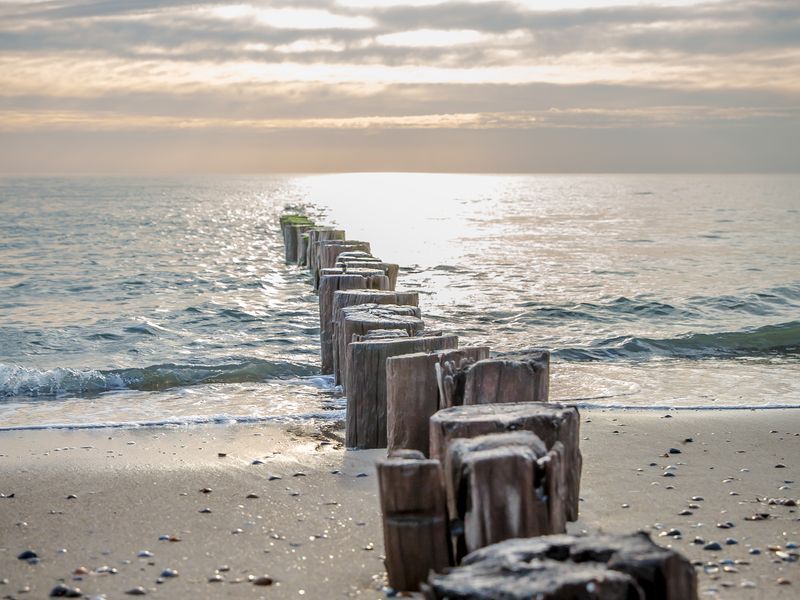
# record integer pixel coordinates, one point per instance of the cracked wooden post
(497, 489)
(550, 422)
(414, 524)
(613, 566)
(328, 285)
(494, 380)
(412, 394)
(390, 269)
(366, 384)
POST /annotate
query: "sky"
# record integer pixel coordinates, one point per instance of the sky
(180, 86)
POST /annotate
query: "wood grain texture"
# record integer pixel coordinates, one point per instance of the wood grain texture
(366, 384)
(412, 394)
(414, 518)
(550, 422)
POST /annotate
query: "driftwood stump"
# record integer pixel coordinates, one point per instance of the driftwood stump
(550, 422)
(492, 381)
(412, 394)
(361, 318)
(659, 573)
(499, 487)
(328, 285)
(414, 518)
(366, 384)
(344, 299)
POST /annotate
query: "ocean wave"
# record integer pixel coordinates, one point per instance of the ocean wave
(771, 340)
(20, 381)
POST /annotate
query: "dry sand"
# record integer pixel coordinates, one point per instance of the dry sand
(316, 532)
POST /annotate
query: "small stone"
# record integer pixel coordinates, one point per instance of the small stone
(224, 569)
(698, 541)
(216, 578)
(299, 474)
(144, 554)
(27, 555)
(626, 505)
(731, 541)
(137, 591)
(262, 580)
(725, 525)
(791, 546)
(257, 462)
(81, 571)
(746, 583)
(205, 511)
(222, 454)
(713, 546)
(668, 474)
(755, 551)
(361, 475)
(688, 440)
(674, 451)
(780, 466)
(685, 513)
(64, 591)
(697, 498)
(206, 490)
(168, 573)
(251, 496)
(273, 477)
(72, 497)
(783, 581)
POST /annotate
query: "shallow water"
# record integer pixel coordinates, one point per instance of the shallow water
(126, 301)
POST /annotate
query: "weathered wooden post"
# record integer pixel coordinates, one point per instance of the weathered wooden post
(412, 394)
(414, 518)
(497, 488)
(328, 285)
(607, 566)
(550, 422)
(326, 252)
(320, 234)
(361, 318)
(493, 380)
(344, 299)
(292, 226)
(366, 384)
(302, 250)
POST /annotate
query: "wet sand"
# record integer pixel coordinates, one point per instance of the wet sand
(92, 505)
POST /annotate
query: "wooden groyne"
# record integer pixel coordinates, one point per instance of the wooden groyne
(483, 472)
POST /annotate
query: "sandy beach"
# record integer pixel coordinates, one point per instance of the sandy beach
(227, 508)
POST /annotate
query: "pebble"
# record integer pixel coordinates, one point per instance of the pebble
(64, 591)
(713, 546)
(697, 498)
(674, 451)
(222, 454)
(169, 573)
(263, 580)
(685, 513)
(698, 541)
(780, 466)
(27, 555)
(746, 583)
(137, 591)
(206, 490)
(783, 581)
(731, 541)
(205, 511)
(72, 497)
(257, 462)
(144, 554)
(725, 525)
(273, 477)
(215, 578)
(668, 474)
(252, 496)
(755, 551)
(361, 475)
(299, 474)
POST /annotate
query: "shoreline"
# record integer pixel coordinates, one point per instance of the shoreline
(320, 532)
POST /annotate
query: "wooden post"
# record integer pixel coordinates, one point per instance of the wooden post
(326, 252)
(361, 318)
(319, 234)
(550, 422)
(366, 384)
(293, 226)
(344, 299)
(302, 250)
(329, 284)
(497, 488)
(412, 394)
(414, 518)
(660, 573)
(492, 381)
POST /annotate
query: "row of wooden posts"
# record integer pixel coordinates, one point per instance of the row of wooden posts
(476, 453)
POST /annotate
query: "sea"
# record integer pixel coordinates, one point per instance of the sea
(128, 302)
